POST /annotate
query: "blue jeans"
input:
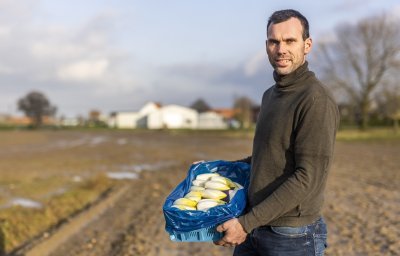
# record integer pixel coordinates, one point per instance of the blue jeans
(309, 240)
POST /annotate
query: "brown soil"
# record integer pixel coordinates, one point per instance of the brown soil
(361, 209)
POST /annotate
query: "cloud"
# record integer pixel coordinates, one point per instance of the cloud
(250, 70)
(255, 64)
(77, 65)
(217, 83)
(11, 9)
(344, 6)
(84, 70)
(395, 12)
(4, 70)
(4, 31)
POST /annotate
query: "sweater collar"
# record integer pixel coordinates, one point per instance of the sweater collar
(285, 81)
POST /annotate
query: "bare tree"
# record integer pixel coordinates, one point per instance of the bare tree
(389, 106)
(244, 111)
(200, 105)
(36, 106)
(360, 59)
(95, 119)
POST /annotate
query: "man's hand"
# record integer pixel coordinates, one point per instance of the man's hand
(234, 233)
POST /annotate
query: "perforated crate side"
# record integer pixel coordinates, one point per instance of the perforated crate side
(200, 235)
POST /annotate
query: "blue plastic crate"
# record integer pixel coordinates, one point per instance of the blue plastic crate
(200, 226)
(199, 235)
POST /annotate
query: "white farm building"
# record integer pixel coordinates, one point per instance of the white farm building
(155, 116)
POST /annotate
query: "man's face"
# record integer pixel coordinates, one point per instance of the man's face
(286, 48)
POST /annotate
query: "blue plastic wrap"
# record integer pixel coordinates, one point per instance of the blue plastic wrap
(190, 220)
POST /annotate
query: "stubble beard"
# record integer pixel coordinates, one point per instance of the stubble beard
(286, 70)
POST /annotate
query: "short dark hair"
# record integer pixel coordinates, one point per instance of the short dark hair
(284, 15)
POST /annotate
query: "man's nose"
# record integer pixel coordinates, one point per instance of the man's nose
(281, 49)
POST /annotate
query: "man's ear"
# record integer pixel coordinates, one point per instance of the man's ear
(307, 45)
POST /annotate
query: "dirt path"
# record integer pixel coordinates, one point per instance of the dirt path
(134, 225)
(75, 225)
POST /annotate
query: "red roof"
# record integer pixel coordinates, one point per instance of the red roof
(226, 112)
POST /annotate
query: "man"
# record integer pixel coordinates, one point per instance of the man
(292, 152)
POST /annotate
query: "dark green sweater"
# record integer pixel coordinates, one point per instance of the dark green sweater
(292, 152)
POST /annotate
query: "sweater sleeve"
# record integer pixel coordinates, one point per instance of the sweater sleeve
(313, 150)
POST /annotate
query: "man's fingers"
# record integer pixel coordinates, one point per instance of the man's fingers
(219, 242)
(197, 162)
(221, 228)
(224, 243)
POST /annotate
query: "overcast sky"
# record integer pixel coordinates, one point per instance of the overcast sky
(117, 55)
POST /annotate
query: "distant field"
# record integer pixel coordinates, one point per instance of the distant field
(48, 175)
(372, 134)
(45, 177)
